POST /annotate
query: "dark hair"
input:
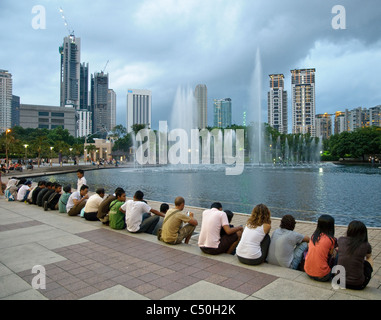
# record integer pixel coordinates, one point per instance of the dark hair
(216, 205)
(139, 195)
(357, 234)
(164, 207)
(119, 192)
(83, 187)
(81, 171)
(100, 191)
(67, 188)
(48, 184)
(119, 189)
(41, 183)
(325, 225)
(58, 185)
(229, 214)
(288, 222)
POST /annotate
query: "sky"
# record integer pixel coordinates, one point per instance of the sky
(164, 45)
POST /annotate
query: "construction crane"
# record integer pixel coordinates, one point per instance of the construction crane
(71, 32)
(103, 71)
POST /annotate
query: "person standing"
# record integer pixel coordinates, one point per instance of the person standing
(173, 231)
(81, 179)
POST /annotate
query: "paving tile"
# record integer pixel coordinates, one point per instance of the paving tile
(11, 284)
(117, 292)
(204, 290)
(282, 289)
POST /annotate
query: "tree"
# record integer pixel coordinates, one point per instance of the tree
(40, 146)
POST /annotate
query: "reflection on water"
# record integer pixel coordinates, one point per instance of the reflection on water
(306, 192)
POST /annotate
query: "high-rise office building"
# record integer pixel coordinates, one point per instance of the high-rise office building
(99, 102)
(139, 108)
(303, 101)
(15, 114)
(222, 113)
(5, 100)
(70, 71)
(111, 102)
(84, 87)
(277, 104)
(201, 96)
(323, 125)
(84, 123)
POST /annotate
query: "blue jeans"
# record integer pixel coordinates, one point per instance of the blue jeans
(298, 255)
(149, 223)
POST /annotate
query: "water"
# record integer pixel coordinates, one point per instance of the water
(305, 191)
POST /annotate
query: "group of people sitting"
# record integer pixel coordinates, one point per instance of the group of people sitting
(251, 244)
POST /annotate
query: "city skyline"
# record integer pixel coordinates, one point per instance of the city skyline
(190, 42)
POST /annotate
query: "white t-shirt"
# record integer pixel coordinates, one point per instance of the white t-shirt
(70, 203)
(81, 182)
(22, 192)
(92, 204)
(249, 246)
(212, 222)
(134, 213)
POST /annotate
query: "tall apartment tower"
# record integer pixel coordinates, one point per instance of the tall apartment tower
(111, 105)
(99, 102)
(303, 101)
(324, 125)
(5, 100)
(70, 52)
(277, 104)
(201, 96)
(222, 113)
(139, 108)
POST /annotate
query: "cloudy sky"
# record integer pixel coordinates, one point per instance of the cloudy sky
(163, 45)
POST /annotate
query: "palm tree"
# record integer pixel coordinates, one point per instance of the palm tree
(40, 145)
(62, 148)
(90, 149)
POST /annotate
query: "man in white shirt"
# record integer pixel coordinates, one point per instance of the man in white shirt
(92, 205)
(77, 201)
(81, 179)
(23, 192)
(210, 240)
(138, 217)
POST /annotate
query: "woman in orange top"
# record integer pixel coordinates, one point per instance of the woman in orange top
(321, 250)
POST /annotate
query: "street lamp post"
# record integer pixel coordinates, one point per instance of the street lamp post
(26, 147)
(51, 162)
(6, 146)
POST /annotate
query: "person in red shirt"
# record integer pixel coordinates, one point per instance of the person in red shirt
(321, 251)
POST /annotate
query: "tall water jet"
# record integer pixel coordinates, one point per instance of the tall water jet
(184, 115)
(256, 139)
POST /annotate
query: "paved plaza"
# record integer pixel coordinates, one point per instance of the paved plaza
(87, 260)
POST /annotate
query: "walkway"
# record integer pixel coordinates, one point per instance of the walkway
(86, 260)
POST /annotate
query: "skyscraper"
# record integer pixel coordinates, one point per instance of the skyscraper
(111, 105)
(5, 100)
(84, 87)
(70, 71)
(99, 105)
(277, 104)
(139, 108)
(201, 96)
(303, 101)
(222, 112)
